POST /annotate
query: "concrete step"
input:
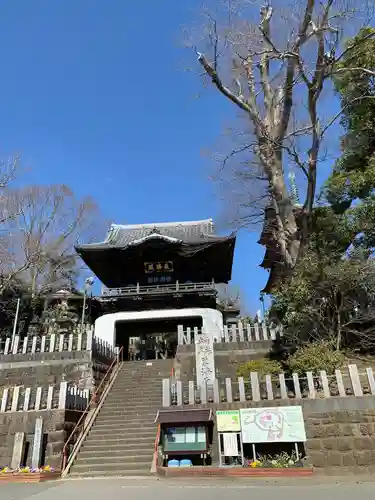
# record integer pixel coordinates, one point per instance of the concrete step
(110, 473)
(118, 418)
(120, 465)
(148, 414)
(141, 456)
(125, 427)
(120, 440)
(109, 430)
(123, 446)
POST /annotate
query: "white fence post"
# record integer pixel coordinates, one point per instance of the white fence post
(166, 392)
(356, 382)
(62, 395)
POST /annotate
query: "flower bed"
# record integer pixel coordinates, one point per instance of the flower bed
(202, 471)
(28, 475)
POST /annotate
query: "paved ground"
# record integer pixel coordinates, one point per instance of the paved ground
(209, 489)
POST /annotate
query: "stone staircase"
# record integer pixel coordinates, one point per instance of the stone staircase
(121, 440)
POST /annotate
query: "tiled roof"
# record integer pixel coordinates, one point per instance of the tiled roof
(121, 236)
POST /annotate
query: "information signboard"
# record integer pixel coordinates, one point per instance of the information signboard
(228, 421)
(282, 424)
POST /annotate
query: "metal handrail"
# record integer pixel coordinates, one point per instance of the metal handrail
(156, 446)
(94, 399)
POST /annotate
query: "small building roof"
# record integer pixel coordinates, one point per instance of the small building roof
(184, 416)
(123, 236)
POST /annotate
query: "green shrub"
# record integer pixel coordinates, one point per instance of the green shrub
(315, 357)
(262, 366)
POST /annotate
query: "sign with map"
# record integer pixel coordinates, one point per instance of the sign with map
(273, 425)
(228, 421)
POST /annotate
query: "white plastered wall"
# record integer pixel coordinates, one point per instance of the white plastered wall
(212, 320)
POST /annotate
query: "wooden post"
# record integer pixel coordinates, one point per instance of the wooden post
(166, 392)
(26, 401)
(16, 393)
(310, 383)
(228, 386)
(37, 443)
(233, 333)
(297, 387)
(340, 383)
(79, 342)
(241, 389)
(264, 330)
(249, 336)
(256, 331)
(283, 391)
(61, 342)
(255, 389)
(24, 345)
(18, 447)
(240, 331)
(356, 382)
(4, 400)
(226, 334)
(62, 395)
(89, 336)
(180, 334)
(188, 335)
(179, 392)
(7, 345)
(33, 345)
(38, 398)
(50, 398)
(325, 384)
(52, 341)
(43, 344)
(191, 392)
(371, 381)
(15, 344)
(269, 387)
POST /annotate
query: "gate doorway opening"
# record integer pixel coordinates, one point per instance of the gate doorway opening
(151, 339)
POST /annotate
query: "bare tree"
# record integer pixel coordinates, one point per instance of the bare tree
(274, 71)
(38, 246)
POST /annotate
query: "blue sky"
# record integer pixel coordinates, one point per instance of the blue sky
(94, 95)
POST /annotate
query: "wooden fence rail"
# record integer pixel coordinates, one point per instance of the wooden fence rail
(233, 333)
(56, 343)
(345, 382)
(64, 396)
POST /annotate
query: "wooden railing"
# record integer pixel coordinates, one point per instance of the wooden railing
(343, 383)
(158, 289)
(233, 333)
(64, 396)
(78, 434)
(35, 344)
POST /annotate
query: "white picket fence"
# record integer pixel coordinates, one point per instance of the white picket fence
(342, 384)
(233, 333)
(57, 343)
(64, 396)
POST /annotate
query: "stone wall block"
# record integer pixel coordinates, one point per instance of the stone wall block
(366, 429)
(363, 458)
(348, 429)
(364, 443)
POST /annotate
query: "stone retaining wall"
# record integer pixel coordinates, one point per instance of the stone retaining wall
(54, 425)
(340, 431)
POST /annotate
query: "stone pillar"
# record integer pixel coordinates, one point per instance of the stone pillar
(37, 443)
(204, 358)
(18, 449)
